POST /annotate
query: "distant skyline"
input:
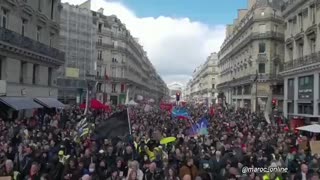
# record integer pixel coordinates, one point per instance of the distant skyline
(178, 35)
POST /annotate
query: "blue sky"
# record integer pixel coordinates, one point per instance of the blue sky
(210, 12)
(178, 35)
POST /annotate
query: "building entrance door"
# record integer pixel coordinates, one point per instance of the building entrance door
(114, 100)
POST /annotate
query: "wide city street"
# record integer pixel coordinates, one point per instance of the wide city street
(159, 90)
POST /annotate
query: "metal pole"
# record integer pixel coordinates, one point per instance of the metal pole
(87, 98)
(128, 111)
(257, 93)
(87, 101)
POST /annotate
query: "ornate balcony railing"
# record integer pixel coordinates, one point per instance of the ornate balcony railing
(303, 61)
(20, 41)
(251, 37)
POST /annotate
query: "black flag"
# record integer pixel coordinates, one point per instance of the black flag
(115, 126)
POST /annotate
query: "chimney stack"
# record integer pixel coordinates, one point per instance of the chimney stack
(251, 3)
(101, 10)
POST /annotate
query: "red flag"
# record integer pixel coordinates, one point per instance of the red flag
(212, 111)
(122, 87)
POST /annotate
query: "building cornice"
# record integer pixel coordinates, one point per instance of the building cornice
(292, 5)
(15, 43)
(249, 79)
(252, 37)
(245, 27)
(303, 69)
(301, 63)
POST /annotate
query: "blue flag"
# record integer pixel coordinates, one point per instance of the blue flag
(203, 126)
(180, 113)
(200, 128)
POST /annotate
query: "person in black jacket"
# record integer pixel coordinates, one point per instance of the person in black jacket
(56, 168)
(152, 173)
(71, 172)
(303, 174)
(27, 161)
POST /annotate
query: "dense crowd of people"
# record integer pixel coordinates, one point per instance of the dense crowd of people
(43, 148)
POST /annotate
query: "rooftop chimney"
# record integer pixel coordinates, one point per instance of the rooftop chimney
(242, 13)
(251, 3)
(100, 10)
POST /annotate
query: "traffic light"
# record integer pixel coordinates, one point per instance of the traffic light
(274, 103)
(178, 96)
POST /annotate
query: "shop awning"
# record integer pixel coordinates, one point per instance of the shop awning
(20, 103)
(49, 102)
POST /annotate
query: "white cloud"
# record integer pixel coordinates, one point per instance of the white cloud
(174, 46)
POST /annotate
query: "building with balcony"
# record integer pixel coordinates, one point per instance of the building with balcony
(122, 64)
(302, 59)
(77, 35)
(202, 86)
(29, 55)
(253, 50)
(186, 91)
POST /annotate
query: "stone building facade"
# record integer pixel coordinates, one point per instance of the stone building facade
(252, 55)
(302, 59)
(122, 64)
(202, 86)
(114, 61)
(29, 55)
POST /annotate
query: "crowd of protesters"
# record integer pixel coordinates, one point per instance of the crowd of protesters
(43, 148)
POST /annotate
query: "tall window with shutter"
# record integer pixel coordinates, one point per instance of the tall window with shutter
(4, 18)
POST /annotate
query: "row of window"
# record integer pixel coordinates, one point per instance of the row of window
(261, 49)
(114, 60)
(118, 29)
(262, 29)
(300, 45)
(23, 72)
(113, 72)
(24, 26)
(297, 22)
(303, 108)
(305, 87)
(238, 90)
(113, 88)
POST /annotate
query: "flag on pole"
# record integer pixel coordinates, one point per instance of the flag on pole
(127, 97)
(180, 113)
(200, 128)
(115, 126)
(84, 129)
